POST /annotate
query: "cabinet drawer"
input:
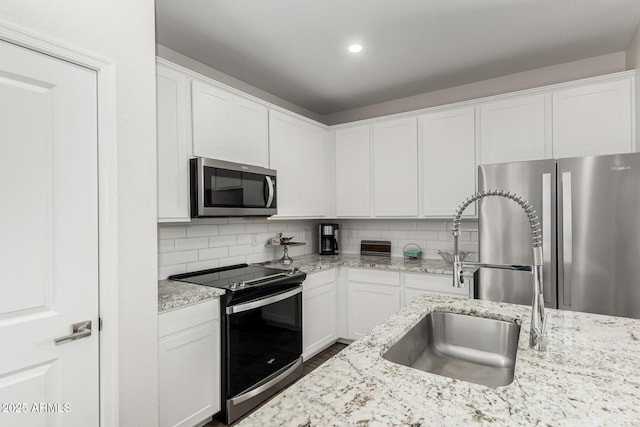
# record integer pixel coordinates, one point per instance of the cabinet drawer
(374, 276)
(177, 320)
(435, 283)
(320, 278)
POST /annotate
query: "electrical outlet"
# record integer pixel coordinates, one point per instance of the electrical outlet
(351, 234)
(255, 239)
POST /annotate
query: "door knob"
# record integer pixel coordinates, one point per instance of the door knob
(79, 330)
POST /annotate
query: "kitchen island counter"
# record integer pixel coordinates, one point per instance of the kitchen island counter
(589, 375)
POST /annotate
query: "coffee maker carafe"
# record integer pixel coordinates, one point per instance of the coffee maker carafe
(328, 234)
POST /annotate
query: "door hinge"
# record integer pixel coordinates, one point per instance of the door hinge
(99, 323)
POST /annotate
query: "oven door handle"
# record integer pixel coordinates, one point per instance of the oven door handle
(262, 302)
(266, 386)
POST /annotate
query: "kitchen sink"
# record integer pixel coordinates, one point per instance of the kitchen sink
(464, 347)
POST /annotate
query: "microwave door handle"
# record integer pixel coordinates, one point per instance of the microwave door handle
(269, 182)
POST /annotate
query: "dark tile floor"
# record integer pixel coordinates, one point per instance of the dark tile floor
(309, 366)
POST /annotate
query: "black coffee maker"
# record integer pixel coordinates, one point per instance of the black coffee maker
(328, 234)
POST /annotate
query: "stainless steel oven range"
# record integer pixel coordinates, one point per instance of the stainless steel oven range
(261, 332)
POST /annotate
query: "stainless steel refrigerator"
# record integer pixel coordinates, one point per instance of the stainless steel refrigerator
(589, 209)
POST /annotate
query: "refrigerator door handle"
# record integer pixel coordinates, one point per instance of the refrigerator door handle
(567, 237)
(546, 234)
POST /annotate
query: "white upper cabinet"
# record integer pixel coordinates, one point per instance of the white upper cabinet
(249, 132)
(593, 119)
(228, 127)
(447, 141)
(173, 145)
(353, 190)
(299, 152)
(211, 119)
(512, 130)
(395, 168)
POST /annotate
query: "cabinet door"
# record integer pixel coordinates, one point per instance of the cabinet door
(448, 160)
(282, 148)
(512, 130)
(189, 375)
(211, 118)
(249, 134)
(593, 120)
(395, 168)
(312, 170)
(319, 318)
(353, 192)
(370, 305)
(298, 154)
(173, 145)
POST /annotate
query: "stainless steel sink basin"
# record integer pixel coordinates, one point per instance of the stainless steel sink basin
(464, 347)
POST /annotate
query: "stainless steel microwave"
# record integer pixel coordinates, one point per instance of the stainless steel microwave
(220, 188)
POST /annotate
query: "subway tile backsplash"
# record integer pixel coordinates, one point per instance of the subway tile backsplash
(430, 234)
(210, 243)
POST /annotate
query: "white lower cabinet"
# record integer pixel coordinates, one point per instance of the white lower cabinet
(373, 296)
(416, 284)
(189, 364)
(319, 312)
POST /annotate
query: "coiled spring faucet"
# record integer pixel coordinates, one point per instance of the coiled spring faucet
(537, 338)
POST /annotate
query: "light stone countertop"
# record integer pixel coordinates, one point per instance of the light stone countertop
(590, 375)
(172, 294)
(314, 263)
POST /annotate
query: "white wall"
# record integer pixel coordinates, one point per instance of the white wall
(123, 31)
(212, 73)
(211, 243)
(574, 70)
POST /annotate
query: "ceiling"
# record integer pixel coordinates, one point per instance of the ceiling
(297, 49)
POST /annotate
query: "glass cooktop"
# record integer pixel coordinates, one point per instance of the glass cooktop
(236, 276)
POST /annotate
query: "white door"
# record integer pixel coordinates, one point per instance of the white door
(49, 244)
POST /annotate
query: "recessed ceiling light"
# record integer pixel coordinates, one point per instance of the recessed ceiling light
(355, 48)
